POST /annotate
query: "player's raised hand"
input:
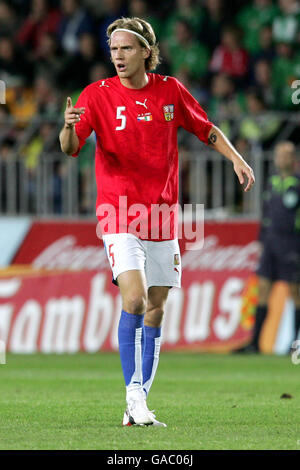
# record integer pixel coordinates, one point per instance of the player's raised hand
(72, 115)
(242, 169)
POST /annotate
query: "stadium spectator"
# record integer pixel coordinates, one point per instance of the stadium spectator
(141, 9)
(266, 45)
(20, 102)
(76, 70)
(46, 97)
(215, 17)
(7, 149)
(47, 59)
(184, 52)
(252, 18)
(97, 72)
(75, 21)
(286, 25)
(13, 65)
(225, 101)
(280, 238)
(263, 82)
(197, 90)
(230, 57)
(187, 10)
(7, 154)
(42, 19)
(111, 10)
(8, 18)
(285, 69)
(4, 119)
(42, 140)
(259, 126)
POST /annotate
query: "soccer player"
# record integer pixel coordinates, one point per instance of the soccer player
(280, 238)
(135, 116)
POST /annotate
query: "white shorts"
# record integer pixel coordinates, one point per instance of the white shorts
(159, 260)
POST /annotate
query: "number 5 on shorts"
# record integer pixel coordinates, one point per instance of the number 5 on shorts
(111, 255)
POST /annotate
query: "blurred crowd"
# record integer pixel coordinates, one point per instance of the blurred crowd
(237, 58)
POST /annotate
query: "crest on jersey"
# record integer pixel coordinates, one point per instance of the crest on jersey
(176, 260)
(169, 112)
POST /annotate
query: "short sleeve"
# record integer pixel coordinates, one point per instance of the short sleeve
(191, 115)
(83, 128)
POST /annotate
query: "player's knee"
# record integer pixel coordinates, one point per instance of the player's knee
(154, 317)
(135, 303)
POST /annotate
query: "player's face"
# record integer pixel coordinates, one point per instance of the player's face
(127, 55)
(284, 159)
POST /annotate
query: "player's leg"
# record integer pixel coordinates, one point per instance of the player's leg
(264, 289)
(295, 293)
(133, 291)
(127, 260)
(267, 270)
(157, 297)
(163, 270)
(289, 271)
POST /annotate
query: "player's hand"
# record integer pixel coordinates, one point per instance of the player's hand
(243, 170)
(72, 115)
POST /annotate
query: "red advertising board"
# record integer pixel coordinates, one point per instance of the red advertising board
(51, 310)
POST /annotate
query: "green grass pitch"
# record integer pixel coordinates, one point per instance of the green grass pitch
(208, 402)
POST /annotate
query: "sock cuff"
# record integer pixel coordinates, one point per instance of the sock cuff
(132, 320)
(152, 331)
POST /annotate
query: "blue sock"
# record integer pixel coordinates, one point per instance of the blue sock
(151, 356)
(130, 334)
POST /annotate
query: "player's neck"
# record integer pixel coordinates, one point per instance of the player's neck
(139, 80)
(286, 173)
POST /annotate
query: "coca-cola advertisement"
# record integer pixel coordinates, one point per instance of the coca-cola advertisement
(67, 302)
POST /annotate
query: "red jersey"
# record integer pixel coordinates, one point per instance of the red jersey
(136, 150)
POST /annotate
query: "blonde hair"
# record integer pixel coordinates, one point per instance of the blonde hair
(143, 28)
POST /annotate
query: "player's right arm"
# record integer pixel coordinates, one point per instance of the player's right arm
(68, 138)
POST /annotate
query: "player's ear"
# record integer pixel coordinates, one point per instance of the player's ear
(147, 53)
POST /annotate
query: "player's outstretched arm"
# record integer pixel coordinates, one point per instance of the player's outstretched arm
(218, 141)
(69, 142)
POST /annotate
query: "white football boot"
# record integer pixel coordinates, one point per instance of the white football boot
(129, 421)
(137, 410)
(130, 416)
(155, 421)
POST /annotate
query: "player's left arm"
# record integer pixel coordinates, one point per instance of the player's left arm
(219, 142)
